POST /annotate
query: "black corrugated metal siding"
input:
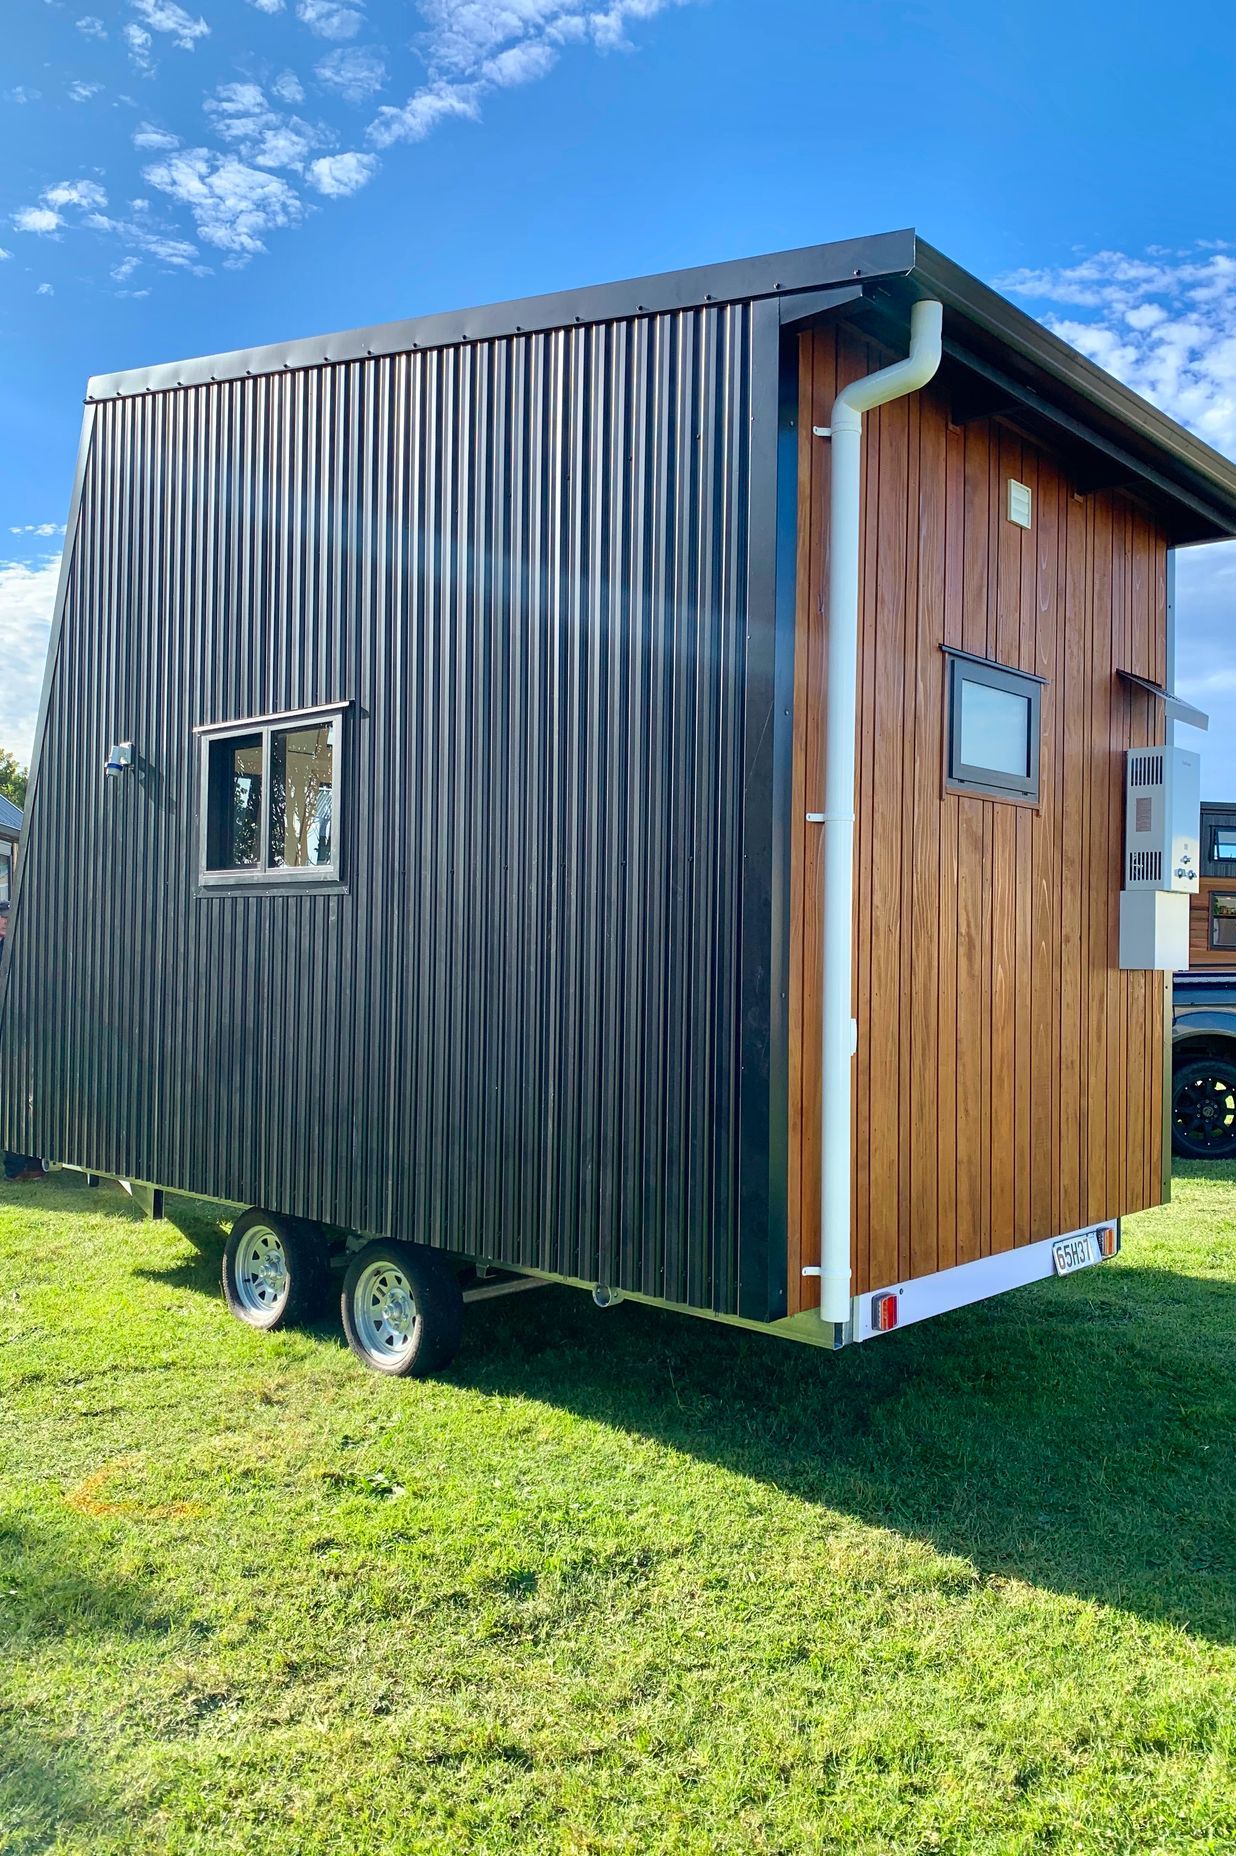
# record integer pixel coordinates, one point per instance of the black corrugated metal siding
(528, 564)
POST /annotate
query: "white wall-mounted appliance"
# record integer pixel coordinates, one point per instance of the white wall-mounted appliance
(1162, 832)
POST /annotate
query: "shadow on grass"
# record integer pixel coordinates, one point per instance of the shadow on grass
(1076, 1436)
(48, 1596)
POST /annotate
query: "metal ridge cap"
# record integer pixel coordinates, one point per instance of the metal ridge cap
(811, 267)
(1036, 343)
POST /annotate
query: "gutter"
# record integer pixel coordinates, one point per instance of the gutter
(839, 1028)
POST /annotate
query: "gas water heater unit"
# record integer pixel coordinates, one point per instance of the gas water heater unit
(1162, 828)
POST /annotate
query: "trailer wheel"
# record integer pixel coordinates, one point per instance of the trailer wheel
(402, 1309)
(274, 1270)
(1204, 1110)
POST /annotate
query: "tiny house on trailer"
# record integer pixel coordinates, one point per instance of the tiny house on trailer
(1212, 911)
(624, 788)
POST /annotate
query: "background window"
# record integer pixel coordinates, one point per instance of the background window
(1223, 921)
(1224, 851)
(6, 875)
(269, 800)
(993, 729)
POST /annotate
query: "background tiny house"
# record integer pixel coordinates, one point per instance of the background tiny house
(10, 839)
(522, 965)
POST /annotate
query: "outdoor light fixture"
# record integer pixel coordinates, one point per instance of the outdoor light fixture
(119, 760)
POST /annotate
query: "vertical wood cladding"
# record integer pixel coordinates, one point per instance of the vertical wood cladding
(1008, 1083)
(527, 564)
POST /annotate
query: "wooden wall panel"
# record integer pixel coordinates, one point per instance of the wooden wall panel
(1007, 1082)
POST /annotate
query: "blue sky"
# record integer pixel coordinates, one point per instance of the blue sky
(185, 179)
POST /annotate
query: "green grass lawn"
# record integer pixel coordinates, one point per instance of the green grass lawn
(620, 1582)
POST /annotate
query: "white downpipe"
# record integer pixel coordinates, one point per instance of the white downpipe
(839, 1032)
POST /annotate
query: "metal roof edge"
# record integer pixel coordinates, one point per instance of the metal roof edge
(812, 267)
(1016, 330)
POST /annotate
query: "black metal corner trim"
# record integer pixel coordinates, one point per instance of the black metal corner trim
(813, 268)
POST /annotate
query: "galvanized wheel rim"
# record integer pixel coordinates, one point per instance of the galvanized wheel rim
(385, 1314)
(262, 1272)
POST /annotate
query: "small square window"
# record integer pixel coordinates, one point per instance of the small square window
(1222, 921)
(1224, 851)
(270, 801)
(993, 729)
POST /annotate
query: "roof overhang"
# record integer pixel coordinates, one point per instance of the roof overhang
(999, 361)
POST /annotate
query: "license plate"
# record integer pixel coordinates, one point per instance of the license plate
(1075, 1253)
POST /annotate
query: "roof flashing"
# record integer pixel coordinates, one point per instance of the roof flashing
(1183, 477)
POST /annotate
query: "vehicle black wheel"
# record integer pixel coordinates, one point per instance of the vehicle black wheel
(402, 1309)
(274, 1270)
(1204, 1110)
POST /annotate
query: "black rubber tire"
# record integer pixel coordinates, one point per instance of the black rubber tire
(437, 1326)
(1204, 1110)
(307, 1268)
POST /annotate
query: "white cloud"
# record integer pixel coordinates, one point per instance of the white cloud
(355, 71)
(45, 290)
(242, 115)
(232, 204)
(422, 113)
(74, 193)
(267, 164)
(4, 254)
(1206, 659)
(139, 42)
(48, 216)
(22, 93)
(81, 92)
(339, 175)
(152, 242)
(165, 16)
(37, 528)
(36, 219)
(1164, 322)
(329, 18)
(124, 270)
(27, 596)
(147, 135)
(473, 47)
(519, 64)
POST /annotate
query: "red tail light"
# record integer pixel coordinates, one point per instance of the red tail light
(883, 1313)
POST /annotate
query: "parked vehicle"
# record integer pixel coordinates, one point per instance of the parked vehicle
(538, 792)
(1204, 1064)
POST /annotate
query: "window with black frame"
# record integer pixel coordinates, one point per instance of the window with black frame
(993, 725)
(270, 800)
(1222, 920)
